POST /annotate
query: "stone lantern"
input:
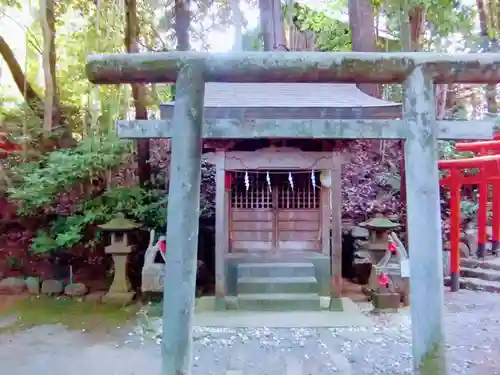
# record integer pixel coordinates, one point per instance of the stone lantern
(379, 228)
(119, 227)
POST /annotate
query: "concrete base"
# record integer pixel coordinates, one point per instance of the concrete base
(210, 303)
(455, 281)
(351, 316)
(481, 250)
(335, 304)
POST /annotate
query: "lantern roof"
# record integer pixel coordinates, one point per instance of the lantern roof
(379, 223)
(119, 223)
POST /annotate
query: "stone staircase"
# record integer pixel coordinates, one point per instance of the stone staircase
(479, 275)
(278, 287)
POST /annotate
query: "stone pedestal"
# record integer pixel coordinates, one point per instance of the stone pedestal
(385, 301)
(120, 290)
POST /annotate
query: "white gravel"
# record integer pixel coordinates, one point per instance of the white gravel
(472, 328)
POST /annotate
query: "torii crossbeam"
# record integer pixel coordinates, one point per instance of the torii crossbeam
(417, 71)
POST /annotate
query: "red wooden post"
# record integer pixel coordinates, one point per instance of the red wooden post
(495, 217)
(453, 182)
(482, 213)
(455, 229)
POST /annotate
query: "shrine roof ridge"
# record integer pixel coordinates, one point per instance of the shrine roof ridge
(295, 67)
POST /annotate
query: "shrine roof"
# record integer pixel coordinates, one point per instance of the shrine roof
(246, 101)
(290, 95)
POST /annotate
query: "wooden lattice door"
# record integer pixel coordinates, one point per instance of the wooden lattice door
(298, 214)
(274, 214)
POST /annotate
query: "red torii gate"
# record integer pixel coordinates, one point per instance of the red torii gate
(488, 164)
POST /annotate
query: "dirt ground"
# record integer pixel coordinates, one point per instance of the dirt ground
(472, 328)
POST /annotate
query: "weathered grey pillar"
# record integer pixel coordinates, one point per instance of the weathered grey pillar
(221, 233)
(336, 239)
(424, 225)
(182, 221)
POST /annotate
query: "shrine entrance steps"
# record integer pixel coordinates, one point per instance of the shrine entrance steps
(278, 286)
(479, 275)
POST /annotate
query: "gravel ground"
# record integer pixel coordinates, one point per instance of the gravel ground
(472, 328)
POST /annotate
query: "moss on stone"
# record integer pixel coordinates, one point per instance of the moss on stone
(434, 362)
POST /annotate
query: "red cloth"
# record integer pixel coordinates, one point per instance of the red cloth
(162, 244)
(392, 247)
(383, 280)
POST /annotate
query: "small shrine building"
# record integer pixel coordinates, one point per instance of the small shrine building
(279, 200)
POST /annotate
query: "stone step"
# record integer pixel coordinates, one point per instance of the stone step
(279, 302)
(475, 263)
(476, 284)
(275, 269)
(295, 284)
(480, 273)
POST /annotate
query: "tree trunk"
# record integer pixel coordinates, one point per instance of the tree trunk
(182, 22)
(272, 26)
(138, 92)
(52, 116)
(237, 20)
(416, 19)
(487, 44)
(364, 38)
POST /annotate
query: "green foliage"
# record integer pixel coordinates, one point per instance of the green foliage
(37, 183)
(331, 34)
(10, 3)
(443, 18)
(146, 206)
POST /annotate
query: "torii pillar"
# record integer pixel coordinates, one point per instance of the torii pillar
(419, 129)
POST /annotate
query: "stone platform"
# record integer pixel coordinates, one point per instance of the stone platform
(351, 316)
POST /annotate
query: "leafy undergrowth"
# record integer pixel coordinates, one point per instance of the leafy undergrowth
(71, 313)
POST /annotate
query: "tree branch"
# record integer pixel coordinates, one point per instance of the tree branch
(33, 99)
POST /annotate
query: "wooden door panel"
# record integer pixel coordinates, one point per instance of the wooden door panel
(266, 236)
(248, 246)
(249, 226)
(298, 215)
(252, 215)
(299, 235)
(298, 226)
(300, 245)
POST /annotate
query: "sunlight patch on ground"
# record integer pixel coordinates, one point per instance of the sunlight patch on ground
(72, 313)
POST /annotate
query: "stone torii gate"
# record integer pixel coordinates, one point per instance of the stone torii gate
(417, 71)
